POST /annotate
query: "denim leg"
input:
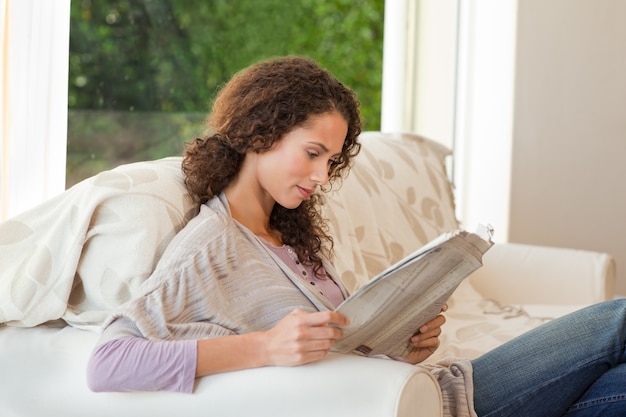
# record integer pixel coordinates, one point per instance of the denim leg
(544, 371)
(606, 397)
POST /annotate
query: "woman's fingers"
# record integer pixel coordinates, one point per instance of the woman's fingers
(303, 337)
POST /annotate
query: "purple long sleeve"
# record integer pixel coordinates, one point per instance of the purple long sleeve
(136, 364)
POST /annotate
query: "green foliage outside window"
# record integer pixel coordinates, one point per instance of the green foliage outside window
(143, 72)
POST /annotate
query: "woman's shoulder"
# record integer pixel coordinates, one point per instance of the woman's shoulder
(206, 233)
(213, 219)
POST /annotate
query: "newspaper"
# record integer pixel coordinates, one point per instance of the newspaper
(388, 310)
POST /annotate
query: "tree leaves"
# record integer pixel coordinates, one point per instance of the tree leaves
(169, 55)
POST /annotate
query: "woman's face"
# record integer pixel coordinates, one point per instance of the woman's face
(300, 161)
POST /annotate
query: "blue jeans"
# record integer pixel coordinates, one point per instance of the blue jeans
(573, 366)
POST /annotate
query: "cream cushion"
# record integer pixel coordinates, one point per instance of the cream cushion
(391, 204)
(86, 251)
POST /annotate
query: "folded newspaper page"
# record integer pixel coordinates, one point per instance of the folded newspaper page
(388, 310)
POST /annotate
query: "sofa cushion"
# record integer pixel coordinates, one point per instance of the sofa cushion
(396, 199)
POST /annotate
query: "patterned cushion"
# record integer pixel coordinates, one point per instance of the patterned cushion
(81, 254)
(396, 199)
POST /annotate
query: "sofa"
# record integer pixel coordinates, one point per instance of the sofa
(64, 265)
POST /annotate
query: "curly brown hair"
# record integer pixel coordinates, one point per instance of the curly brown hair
(255, 109)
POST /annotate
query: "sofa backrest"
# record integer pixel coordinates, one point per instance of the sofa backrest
(397, 198)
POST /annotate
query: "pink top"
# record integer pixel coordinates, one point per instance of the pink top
(137, 364)
(323, 283)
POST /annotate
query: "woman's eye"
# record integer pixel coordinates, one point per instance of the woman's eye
(312, 154)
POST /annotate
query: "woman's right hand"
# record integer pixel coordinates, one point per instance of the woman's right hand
(298, 338)
(302, 337)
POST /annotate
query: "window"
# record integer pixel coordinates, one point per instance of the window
(458, 104)
(142, 73)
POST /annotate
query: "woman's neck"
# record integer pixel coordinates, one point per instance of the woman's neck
(251, 211)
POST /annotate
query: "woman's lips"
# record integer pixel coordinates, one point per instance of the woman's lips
(305, 192)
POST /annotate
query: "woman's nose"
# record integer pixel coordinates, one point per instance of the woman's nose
(320, 175)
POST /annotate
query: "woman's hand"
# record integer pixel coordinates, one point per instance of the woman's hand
(302, 337)
(298, 338)
(426, 341)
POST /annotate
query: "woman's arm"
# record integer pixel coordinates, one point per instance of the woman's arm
(297, 339)
(137, 364)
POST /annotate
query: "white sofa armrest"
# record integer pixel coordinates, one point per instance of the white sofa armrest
(43, 373)
(340, 385)
(515, 273)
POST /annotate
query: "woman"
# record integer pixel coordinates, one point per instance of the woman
(248, 282)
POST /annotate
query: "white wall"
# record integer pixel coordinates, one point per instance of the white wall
(569, 147)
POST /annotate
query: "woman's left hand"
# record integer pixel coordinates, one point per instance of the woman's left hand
(426, 341)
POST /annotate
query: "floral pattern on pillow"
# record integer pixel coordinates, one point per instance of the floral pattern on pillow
(396, 199)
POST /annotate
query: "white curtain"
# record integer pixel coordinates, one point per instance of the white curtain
(395, 73)
(419, 68)
(485, 104)
(33, 112)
